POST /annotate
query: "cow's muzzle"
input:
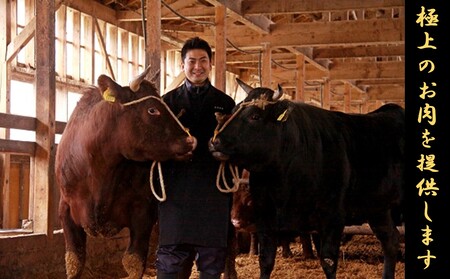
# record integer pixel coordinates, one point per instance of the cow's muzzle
(214, 145)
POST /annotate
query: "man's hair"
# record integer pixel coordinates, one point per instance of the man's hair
(196, 43)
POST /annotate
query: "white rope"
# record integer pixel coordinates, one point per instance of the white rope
(163, 187)
(221, 174)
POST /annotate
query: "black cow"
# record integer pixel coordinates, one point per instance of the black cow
(317, 170)
(242, 218)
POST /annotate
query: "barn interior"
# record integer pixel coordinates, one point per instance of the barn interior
(339, 55)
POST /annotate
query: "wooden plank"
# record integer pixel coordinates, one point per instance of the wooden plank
(17, 147)
(287, 6)
(17, 122)
(94, 8)
(323, 34)
(60, 47)
(124, 37)
(24, 37)
(21, 40)
(175, 82)
(351, 70)
(300, 80)
(76, 45)
(134, 55)
(220, 48)
(259, 23)
(326, 92)
(153, 41)
(44, 157)
(266, 74)
(101, 41)
(347, 98)
(89, 57)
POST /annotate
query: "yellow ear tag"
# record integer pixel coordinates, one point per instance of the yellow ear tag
(283, 117)
(108, 97)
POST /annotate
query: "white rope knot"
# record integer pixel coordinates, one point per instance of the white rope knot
(221, 175)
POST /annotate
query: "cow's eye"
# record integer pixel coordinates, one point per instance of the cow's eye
(153, 111)
(255, 116)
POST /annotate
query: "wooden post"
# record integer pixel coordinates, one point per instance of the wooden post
(347, 98)
(266, 66)
(326, 94)
(89, 57)
(76, 45)
(125, 77)
(5, 37)
(220, 52)
(44, 159)
(300, 92)
(153, 44)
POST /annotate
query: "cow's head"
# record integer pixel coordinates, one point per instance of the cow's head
(144, 126)
(242, 210)
(248, 137)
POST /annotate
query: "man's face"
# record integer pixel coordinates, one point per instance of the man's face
(196, 66)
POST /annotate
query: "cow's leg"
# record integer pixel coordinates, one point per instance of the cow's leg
(135, 257)
(305, 240)
(232, 252)
(316, 240)
(285, 242)
(384, 229)
(329, 248)
(267, 254)
(75, 240)
(253, 244)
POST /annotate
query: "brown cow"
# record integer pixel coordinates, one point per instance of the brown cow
(102, 167)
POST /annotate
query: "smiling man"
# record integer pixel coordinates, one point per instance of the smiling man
(194, 219)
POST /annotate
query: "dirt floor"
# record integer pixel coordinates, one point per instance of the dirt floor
(361, 258)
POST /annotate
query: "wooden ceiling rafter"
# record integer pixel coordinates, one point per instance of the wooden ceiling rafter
(358, 43)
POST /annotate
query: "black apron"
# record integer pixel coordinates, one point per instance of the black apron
(195, 211)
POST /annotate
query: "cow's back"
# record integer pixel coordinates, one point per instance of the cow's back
(376, 150)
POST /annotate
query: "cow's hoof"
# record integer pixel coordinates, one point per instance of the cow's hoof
(133, 265)
(73, 265)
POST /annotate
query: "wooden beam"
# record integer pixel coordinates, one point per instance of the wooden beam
(21, 40)
(259, 23)
(44, 157)
(351, 70)
(17, 147)
(266, 74)
(326, 92)
(360, 51)
(153, 41)
(220, 48)
(322, 34)
(92, 8)
(175, 82)
(307, 54)
(24, 37)
(286, 6)
(300, 80)
(101, 41)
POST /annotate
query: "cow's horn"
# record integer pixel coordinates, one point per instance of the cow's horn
(136, 82)
(247, 88)
(277, 94)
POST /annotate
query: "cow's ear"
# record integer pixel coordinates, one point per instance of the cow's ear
(247, 88)
(108, 87)
(284, 114)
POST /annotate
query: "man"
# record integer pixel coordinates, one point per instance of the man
(194, 219)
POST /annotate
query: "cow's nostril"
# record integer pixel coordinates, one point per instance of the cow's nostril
(216, 142)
